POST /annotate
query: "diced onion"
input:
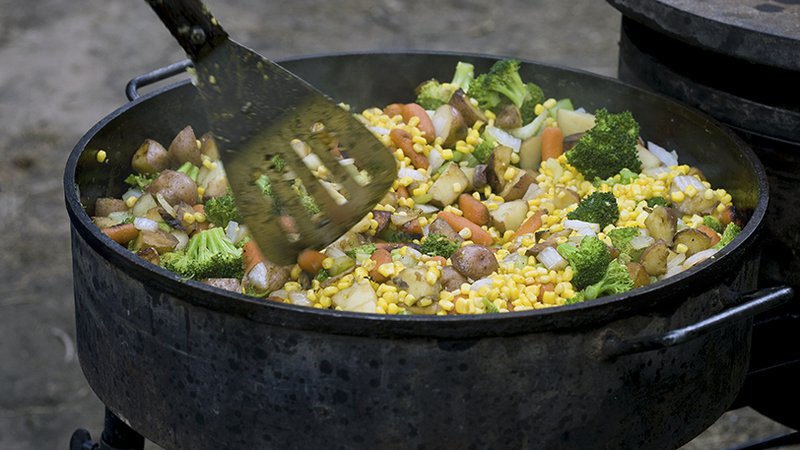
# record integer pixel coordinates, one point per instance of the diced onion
(481, 283)
(145, 224)
(119, 216)
(132, 192)
(581, 110)
(653, 172)
(640, 242)
(312, 161)
(668, 158)
(379, 130)
(435, 160)
(583, 228)
(258, 276)
(299, 298)
(399, 219)
(504, 138)
(182, 238)
(532, 128)
(231, 230)
(676, 260)
(551, 259)
(680, 183)
(280, 293)
(334, 252)
(410, 173)
(347, 162)
(673, 271)
(699, 257)
(164, 204)
(426, 209)
(534, 191)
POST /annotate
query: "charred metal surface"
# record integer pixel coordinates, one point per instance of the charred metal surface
(189, 366)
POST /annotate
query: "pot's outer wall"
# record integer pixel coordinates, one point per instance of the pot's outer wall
(192, 367)
(187, 377)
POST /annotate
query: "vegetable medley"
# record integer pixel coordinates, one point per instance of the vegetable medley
(505, 200)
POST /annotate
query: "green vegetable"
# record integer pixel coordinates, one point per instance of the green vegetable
(489, 306)
(278, 162)
(438, 245)
(462, 78)
(589, 260)
(361, 253)
(657, 201)
(600, 208)
(713, 223)
(503, 84)
(221, 210)
(616, 280)
(484, 150)
(564, 103)
(731, 231)
(625, 176)
(208, 254)
(621, 239)
(140, 180)
(535, 97)
(608, 147)
(480, 90)
(432, 94)
(322, 275)
(306, 200)
(189, 170)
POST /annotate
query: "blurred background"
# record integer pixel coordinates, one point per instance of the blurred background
(64, 65)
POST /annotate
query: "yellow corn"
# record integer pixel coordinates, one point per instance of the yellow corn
(327, 263)
(131, 201)
(101, 156)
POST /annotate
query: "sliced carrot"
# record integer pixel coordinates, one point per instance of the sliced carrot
(479, 235)
(310, 261)
(395, 109)
(531, 224)
(380, 256)
(474, 210)
(412, 227)
(552, 143)
(440, 260)
(425, 123)
(710, 233)
(251, 255)
(402, 140)
(402, 192)
(122, 234)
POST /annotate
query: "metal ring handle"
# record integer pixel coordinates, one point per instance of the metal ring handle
(162, 73)
(753, 303)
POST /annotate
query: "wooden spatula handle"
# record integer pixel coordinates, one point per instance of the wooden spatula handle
(191, 23)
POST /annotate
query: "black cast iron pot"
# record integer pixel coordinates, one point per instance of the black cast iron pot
(193, 367)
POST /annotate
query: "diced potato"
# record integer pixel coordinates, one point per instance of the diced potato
(470, 173)
(448, 187)
(662, 224)
(160, 241)
(104, 206)
(184, 149)
(530, 153)
(496, 167)
(150, 157)
(518, 186)
(360, 297)
(474, 261)
(412, 280)
(638, 274)
(694, 240)
(565, 197)
(654, 259)
(572, 122)
(509, 215)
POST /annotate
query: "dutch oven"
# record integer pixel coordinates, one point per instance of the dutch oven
(190, 366)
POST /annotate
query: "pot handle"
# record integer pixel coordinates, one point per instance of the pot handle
(752, 304)
(162, 73)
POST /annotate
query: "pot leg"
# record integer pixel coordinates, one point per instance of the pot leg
(116, 436)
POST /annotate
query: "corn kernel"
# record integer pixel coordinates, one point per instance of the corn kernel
(708, 194)
(549, 297)
(386, 269)
(413, 121)
(201, 190)
(405, 181)
(462, 305)
(549, 103)
(538, 109)
(101, 156)
(515, 158)
(447, 154)
(325, 301)
(327, 263)
(131, 201)
(465, 233)
(677, 196)
(330, 290)
(681, 248)
(188, 217)
(508, 175)
(691, 191)
(199, 217)
(393, 308)
(446, 305)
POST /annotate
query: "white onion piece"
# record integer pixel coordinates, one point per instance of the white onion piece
(504, 138)
(258, 276)
(312, 161)
(554, 167)
(699, 257)
(435, 160)
(399, 219)
(280, 293)
(673, 271)
(120, 216)
(145, 224)
(164, 204)
(299, 298)
(231, 230)
(481, 283)
(379, 130)
(132, 192)
(145, 203)
(653, 172)
(410, 173)
(532, 128)
(676, 260)
(680, 183)
(581, 110)
(334, 252)
(640, 242)
(668, 158)
(534, 191)
(426, 209)
(442, 121)
(347, 162)
(411, 251)
(582, 228)
(182, 238)
(551, 259)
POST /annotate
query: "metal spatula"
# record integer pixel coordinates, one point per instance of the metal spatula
(257, 110)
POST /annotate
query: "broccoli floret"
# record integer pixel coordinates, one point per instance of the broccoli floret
(361, 253)
(221, 210)
(305, 199)
(438, 245)
(489, 306)
(140, 180)
(484, 150)
(657, 201)
(621, 238)
(625, 176)
(600, 208)
(278, 162)
(713, 223)
(462, 78)
(608, 147)
(208, 254)
(189, 170)
(731, 231)
(322, 275)
(589, 260)
(504, 79)
(480, 89)
(615, 281)
(535, 97)
(431, 94)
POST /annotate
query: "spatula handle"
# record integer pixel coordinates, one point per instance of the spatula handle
(191, 23)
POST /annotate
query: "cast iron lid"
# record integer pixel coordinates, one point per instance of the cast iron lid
(761, 31)
(661, 296)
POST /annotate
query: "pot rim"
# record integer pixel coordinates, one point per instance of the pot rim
(696, 279)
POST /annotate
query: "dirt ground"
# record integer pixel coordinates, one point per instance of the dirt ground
(64, 65)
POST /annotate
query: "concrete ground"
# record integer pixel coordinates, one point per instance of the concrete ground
(63, 66)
